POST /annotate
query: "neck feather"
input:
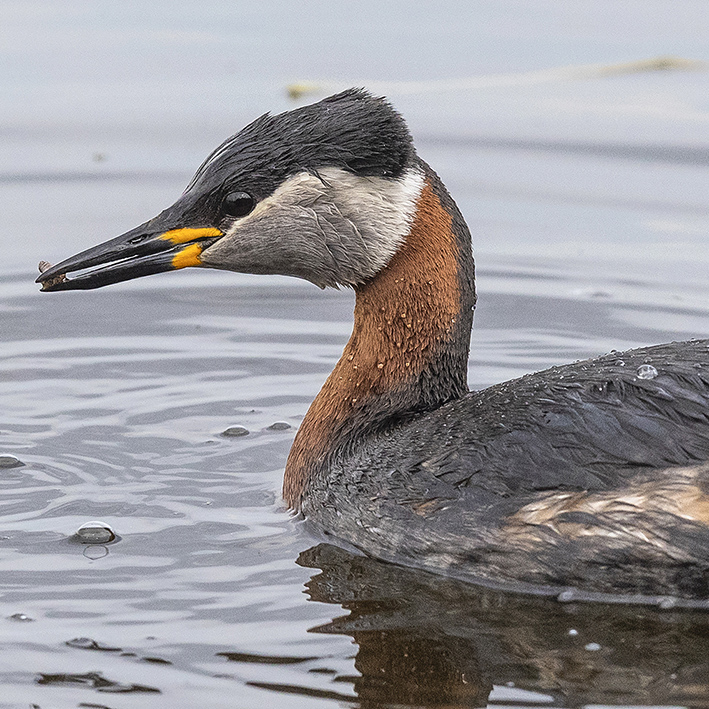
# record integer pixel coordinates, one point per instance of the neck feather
(408, 351)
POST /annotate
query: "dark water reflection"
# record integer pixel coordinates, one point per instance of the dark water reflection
(426, 641)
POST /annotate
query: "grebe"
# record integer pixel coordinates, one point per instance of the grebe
(594, 475)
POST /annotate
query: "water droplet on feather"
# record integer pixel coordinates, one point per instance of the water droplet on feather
(646, 371)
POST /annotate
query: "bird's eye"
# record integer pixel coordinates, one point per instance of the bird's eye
(238, 204)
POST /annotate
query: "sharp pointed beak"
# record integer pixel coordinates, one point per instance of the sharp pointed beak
(140, 252)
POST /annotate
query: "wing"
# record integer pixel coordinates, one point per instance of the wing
(591, 425)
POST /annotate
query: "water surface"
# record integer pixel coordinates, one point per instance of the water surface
(587, 204)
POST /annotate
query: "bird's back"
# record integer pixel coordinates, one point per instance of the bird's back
(592, 474)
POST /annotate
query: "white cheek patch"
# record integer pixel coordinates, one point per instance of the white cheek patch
(380, 209)
(350, 226)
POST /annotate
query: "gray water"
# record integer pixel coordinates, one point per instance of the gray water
(587, 200)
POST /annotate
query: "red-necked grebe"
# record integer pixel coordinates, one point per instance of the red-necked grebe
(593, 475)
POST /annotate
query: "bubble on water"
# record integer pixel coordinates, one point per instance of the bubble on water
(91, 644)
(566, 596)
(592, 647)
(573, 631)
(156, 660)
(20, 618)
(667, 603)
(591, 292)
(10, 461)
(92, 680)
(95, 551)
(646, 371)
(619, 363)
(95, 532)
(279, 426)
(235, 432)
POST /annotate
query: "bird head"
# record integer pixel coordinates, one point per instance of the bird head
(326, 192)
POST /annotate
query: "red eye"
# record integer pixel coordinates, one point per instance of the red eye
(238, 204)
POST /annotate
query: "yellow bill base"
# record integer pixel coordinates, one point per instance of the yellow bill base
(188, 256)
(182, 236)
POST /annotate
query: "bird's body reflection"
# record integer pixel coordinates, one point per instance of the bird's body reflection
(428, 641)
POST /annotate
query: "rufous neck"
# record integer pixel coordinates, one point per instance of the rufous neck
(408, 351)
